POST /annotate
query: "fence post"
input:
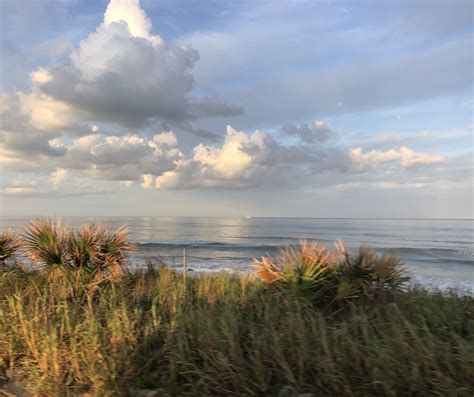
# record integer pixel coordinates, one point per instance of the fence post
(185, 266)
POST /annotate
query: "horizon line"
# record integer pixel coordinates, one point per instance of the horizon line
(238, 216)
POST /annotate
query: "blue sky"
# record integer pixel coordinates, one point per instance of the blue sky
(262, 108)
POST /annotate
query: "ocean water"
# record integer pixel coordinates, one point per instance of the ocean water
(437, 253)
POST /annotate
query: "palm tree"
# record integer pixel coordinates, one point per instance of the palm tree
(9, 245)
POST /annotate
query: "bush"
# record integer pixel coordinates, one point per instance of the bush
(328, 278)
(46, 243)
(93, 248)
(370, 275)
(9, 245)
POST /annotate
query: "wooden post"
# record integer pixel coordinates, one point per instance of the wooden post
(185, 266)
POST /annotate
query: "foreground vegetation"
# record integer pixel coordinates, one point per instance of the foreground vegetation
(310, 321)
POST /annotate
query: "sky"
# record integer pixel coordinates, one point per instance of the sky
(246, 108)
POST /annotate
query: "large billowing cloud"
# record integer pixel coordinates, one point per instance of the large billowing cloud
(244, 160)
(121, 73)
(122, 158)
(128, 79)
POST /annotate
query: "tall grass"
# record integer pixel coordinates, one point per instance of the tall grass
(229, 335)
(232, 335)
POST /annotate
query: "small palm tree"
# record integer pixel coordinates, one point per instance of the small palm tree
(46, 243)
(330, 278)
(83, 247)
(369, 274)
(113, 249)
(308, 270)
(9, 245)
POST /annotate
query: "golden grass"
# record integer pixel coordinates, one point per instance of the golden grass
(228, 335)
(80, 333)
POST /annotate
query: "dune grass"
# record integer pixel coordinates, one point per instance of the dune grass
(228, 335)
(309, 321)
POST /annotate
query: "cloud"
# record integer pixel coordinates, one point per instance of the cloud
(393, 137)
(21, 145)
(121, 74)
(122, 158)
(44, 192)
(129, 10)
(127, 184)
(316, 132)
(59, 176)
(354, 64)
(405, 156)
(212, 107)
(17, 190)
(147, 181)
(382, 185)
(45, 112)
(229, 165)
(244, 160)
(46, 186)
(257, 159)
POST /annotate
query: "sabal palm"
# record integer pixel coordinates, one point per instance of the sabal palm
(46, 242)
(113, 248)
(370, 274)
(307, 270)
(83, 247)
(92, 248)
(9, 245)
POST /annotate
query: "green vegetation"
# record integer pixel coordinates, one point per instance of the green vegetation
(9, 244)
(94, 249)
(310, 321)
(332, 278)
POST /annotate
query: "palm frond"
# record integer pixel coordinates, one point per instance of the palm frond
(83, 247)
(330, 277)
(370, 274)
(305, 269)
(46, 242)
(114, 247)
(10, 243)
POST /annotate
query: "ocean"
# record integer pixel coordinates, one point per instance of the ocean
(437, 253)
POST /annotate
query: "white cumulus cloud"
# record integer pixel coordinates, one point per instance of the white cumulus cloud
(122, 158)
(59, 176)
(122, 74)
(403, 156)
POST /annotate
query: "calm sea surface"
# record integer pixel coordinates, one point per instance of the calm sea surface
(436, 252)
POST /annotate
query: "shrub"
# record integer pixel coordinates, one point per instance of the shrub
(46, 243)
(370, 275)
(9, 245)
(308, 271)
(326, 277)
(97, 249)
(114, 247)
(83, 247)
(92, 249)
